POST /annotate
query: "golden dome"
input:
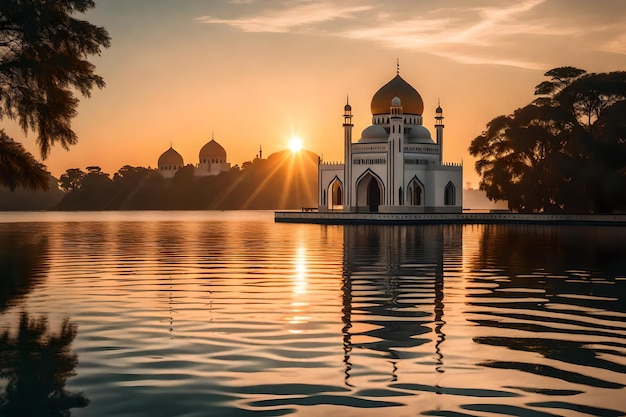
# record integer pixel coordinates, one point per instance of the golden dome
(170, 157)
(411, 100)
(212, 150)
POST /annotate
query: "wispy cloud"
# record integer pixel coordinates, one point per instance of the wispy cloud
(505, 33)
(476, 36)
(289, 19)
(617, 42)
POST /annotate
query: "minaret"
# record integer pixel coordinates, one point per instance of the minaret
(395, 158)
(439, 129)
(347, 152)
(260, 152)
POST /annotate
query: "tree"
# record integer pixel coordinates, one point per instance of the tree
(43, 60)
(557, 153)
(72, 179)
(19, 167)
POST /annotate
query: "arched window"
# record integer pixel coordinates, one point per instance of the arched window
(449, 197)
(336, 193)
(415, 192)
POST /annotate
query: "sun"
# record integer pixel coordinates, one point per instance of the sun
(295, 144)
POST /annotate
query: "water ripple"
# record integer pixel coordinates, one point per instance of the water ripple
(197, 314)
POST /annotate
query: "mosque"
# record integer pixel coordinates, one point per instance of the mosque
(395, 166)
(211, 161)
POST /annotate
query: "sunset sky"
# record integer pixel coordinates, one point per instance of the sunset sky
(257, 72)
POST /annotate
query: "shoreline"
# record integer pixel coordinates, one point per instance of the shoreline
(340, 218)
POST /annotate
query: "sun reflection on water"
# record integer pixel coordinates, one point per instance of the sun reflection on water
(298, 314)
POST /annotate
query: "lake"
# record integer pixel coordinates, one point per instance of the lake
(229, 314)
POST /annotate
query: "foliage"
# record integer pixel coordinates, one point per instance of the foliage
(565, 152)
(19, 167)
(37, 364)
(72, 179)
(43, 62)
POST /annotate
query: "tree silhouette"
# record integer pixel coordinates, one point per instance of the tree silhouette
(565, 152)
(37, 365)
(285, 180)
(72, 179)
(43, 61)
(19, 167)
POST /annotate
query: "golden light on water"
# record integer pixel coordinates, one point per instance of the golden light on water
(298, 314)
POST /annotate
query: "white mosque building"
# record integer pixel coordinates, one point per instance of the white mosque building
(211, 161)
(396, 166)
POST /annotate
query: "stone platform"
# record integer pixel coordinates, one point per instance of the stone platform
(447, 218)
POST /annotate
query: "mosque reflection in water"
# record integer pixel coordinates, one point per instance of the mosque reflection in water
(393, 293)
(408, 303)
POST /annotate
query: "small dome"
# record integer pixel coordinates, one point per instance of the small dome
(439, 110)
(347, 107)
(419, 134)
(396, 102)
(412, 102)
(170, 157)
(212, 150)
(374, 133)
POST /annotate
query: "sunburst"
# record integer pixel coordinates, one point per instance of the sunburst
(295, 144)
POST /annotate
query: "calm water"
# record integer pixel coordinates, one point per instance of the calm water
(229, 314)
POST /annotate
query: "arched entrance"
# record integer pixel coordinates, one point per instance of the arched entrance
(373, 195)
(336, 194)
(415, 192)
(369, 190)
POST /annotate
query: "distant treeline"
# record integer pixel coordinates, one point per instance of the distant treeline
(285, 180)
(22, 199)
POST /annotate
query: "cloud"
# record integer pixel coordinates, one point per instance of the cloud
(616, 43)
(524, 34)
(289, 19)
(468, 35)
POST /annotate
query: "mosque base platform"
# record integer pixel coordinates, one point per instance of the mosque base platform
(447, 218)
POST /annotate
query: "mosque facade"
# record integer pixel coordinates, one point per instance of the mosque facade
(211, 161)
(395, 166)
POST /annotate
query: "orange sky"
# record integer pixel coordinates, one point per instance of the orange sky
(257, 72)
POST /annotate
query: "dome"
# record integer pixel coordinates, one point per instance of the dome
(419, 134)
(170, 157)
(411, 100)
(347, 107)
(396, 102)
(212, 150)
(374, 133)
